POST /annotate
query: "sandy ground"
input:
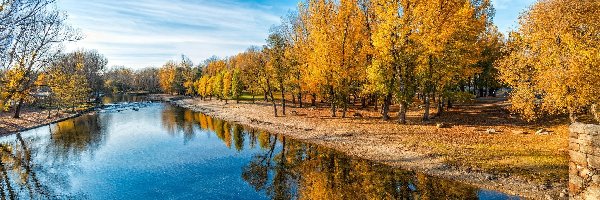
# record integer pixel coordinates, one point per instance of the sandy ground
(29, 118)
(421, 146)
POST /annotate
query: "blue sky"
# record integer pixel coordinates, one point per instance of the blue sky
(142, 33)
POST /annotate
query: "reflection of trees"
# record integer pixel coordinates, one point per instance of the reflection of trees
(75, 136)
(22, 178)
(288, 169)
(299, 170)
(178, 120)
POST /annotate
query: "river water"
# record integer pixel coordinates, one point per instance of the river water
(158, 151)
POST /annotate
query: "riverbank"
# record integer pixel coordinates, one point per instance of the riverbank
(484, 146)
(31, 118)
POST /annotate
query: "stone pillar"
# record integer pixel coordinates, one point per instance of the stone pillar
(584, 165)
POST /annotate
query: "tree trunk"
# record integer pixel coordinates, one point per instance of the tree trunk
(313, 100)
(375, 102)
(253, 98)
(402, 113)
(282, 98)
(449, 104)
(363, 102)
(18, 109)
(345, 109)
(270, 91)
(332, 99)
(293, 98)
(386, 106)
(427, 104)
(440, 106)
(300, 99)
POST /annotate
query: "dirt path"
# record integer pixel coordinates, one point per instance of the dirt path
(460, 153)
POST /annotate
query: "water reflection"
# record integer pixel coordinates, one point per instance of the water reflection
(288, 169)
(73, 138)
(140, 155)
(23, 178)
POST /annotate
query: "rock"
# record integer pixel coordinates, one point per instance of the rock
(578, 158)
(592, 192)
(563, 195)
(491, 177)
(596, 179)
(490, 131)
(593, 161)
(542, 132)
(357, 115)
(585, 173)
(443, 125)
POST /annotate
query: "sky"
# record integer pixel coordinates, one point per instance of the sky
(148, 33)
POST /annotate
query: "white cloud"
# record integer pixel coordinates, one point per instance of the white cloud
(140, 33)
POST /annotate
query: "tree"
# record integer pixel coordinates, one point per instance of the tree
(118, 80)
(276, 51)
(552, 61)
(30, 33)
(146, 79)
(217, 86)
(67, 81)
(226, 93)
(237, 86)
(447, 33)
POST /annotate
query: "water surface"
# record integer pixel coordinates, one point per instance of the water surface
(165, 152)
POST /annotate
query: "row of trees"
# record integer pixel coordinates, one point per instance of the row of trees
(397, 51)
(373, 50)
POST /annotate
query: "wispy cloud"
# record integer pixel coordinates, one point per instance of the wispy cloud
(140, 33)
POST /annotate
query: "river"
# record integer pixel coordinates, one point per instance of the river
(158, 151)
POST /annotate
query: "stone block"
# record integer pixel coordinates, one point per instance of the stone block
(573, 168)
(587, 149)
(585, 128)
(573, 135)
(592, 192)
(578, 158)
(576, 180)
(593, 161)
(585, 173)
(587, 138)
(573, 146)
(596, 179)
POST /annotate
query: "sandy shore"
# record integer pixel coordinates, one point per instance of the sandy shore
(373, 139)
(30, 118)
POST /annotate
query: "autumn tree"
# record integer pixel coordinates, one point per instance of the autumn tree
(217, 86)
(237, 85)
(146, 79)
(553, 59)
(226, 89)
(67, 81)
(447, 33)
(118, 80)
(276, 47)
(30, 34)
